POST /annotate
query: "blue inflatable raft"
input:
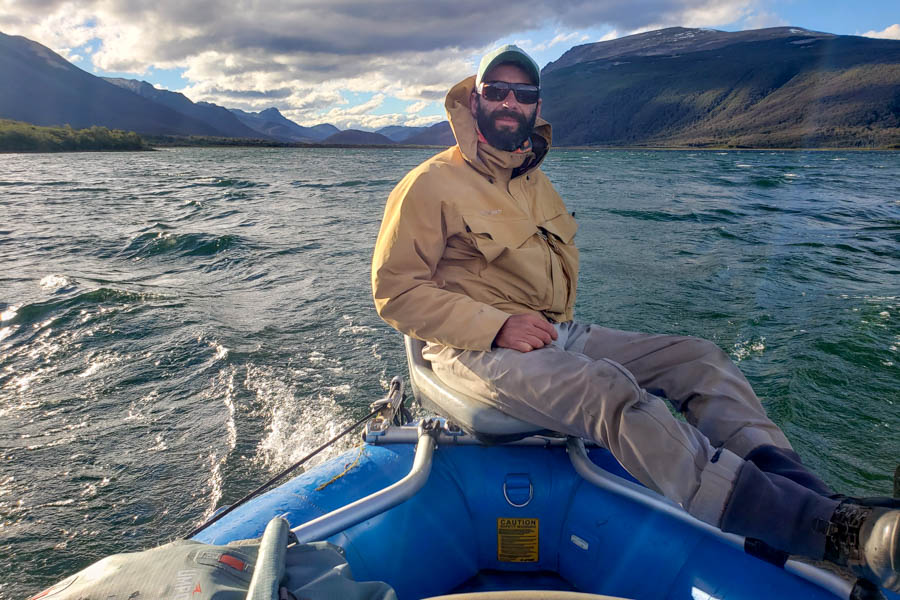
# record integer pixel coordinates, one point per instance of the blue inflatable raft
(476, 502)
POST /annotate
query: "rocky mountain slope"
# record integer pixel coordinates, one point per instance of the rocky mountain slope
(42, 88)
(778, 87)
(214, 115)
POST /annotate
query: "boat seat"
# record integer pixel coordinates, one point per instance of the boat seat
(472, 415)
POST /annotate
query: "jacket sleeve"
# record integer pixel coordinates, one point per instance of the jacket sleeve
(410, 244)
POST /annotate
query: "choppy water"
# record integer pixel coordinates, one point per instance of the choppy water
(179, 325)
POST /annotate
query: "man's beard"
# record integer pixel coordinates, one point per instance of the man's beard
(504, 139)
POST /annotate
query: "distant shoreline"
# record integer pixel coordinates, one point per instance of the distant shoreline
(555, 148)
(24, 138)
(104, 140)
(170, 142)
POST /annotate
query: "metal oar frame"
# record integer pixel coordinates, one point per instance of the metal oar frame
(435, 431)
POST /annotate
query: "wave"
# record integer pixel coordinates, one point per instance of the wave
(766, 182)
(38, 311)
(343, 184)
(715, 215)
(152, 244)
(228, 182)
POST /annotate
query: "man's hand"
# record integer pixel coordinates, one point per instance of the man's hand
(525, 333)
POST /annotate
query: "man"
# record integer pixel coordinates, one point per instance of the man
(476, 257)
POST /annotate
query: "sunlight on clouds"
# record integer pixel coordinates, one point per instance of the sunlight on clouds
(572, 37)
(890, 33)
(424, 121)
(417, 107)
(715, 13)
(301, 57)
(609, 36)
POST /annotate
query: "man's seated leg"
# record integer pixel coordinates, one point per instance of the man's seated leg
(695, 375)
(703, 383)
(598, 400)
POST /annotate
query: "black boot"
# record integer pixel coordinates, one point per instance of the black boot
(780, 512)
(787, 463)
(872, 502)
(794, 519)
(867, 540)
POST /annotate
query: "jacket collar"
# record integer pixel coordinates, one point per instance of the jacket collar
(486, 159)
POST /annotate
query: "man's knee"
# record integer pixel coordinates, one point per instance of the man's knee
(613, 383)
(704, 351)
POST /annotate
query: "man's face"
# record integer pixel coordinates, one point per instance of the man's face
(507, 123)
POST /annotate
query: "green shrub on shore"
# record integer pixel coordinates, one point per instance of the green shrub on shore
(16, 136)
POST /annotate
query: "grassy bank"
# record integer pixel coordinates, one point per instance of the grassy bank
(16, 136)
(190, 141)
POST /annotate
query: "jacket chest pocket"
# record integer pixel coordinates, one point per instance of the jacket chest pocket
(562, 226)
(494, 236)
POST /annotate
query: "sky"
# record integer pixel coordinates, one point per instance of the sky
(367, 64)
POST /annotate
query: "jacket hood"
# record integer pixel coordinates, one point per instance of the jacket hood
(484, 158)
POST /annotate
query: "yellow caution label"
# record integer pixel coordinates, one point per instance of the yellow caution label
(517, 540)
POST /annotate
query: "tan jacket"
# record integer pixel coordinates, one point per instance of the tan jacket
(471, 236)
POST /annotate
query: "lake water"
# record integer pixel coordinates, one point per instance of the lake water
(179, 325)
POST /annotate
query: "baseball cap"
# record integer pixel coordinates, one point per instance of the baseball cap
(510, 53)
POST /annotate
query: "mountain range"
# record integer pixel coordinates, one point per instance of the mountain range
(675, 87)
(42, 88)
(775, 87)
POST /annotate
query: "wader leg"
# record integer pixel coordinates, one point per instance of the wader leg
(787, 463)
(601, 401)
(778, 511)
(695, 375)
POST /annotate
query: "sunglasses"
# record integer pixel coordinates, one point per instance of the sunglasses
(495, 91)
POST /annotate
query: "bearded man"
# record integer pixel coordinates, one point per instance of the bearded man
(476, 257)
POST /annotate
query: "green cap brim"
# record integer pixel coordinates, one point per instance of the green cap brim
(509, 53)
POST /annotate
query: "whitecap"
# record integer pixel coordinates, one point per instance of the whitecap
(53, 283)
(355, 329)
(160, 445)
(92, 369)
(10, 313)
(746, 348)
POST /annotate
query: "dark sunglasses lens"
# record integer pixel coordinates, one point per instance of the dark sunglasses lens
(497, 91)
(527, 96)
(494, 93)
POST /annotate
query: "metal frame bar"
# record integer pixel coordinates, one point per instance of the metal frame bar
(378, 502)
(407, 434)
(621, 487)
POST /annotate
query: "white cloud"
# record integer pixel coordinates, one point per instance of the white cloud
(560, 38)
(891, 32)
(762, 19)
(424, 121)
(300, 55)
(417, 107)
(612, 35)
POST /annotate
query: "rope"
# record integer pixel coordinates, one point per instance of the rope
(346, 470)
(281, 475)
